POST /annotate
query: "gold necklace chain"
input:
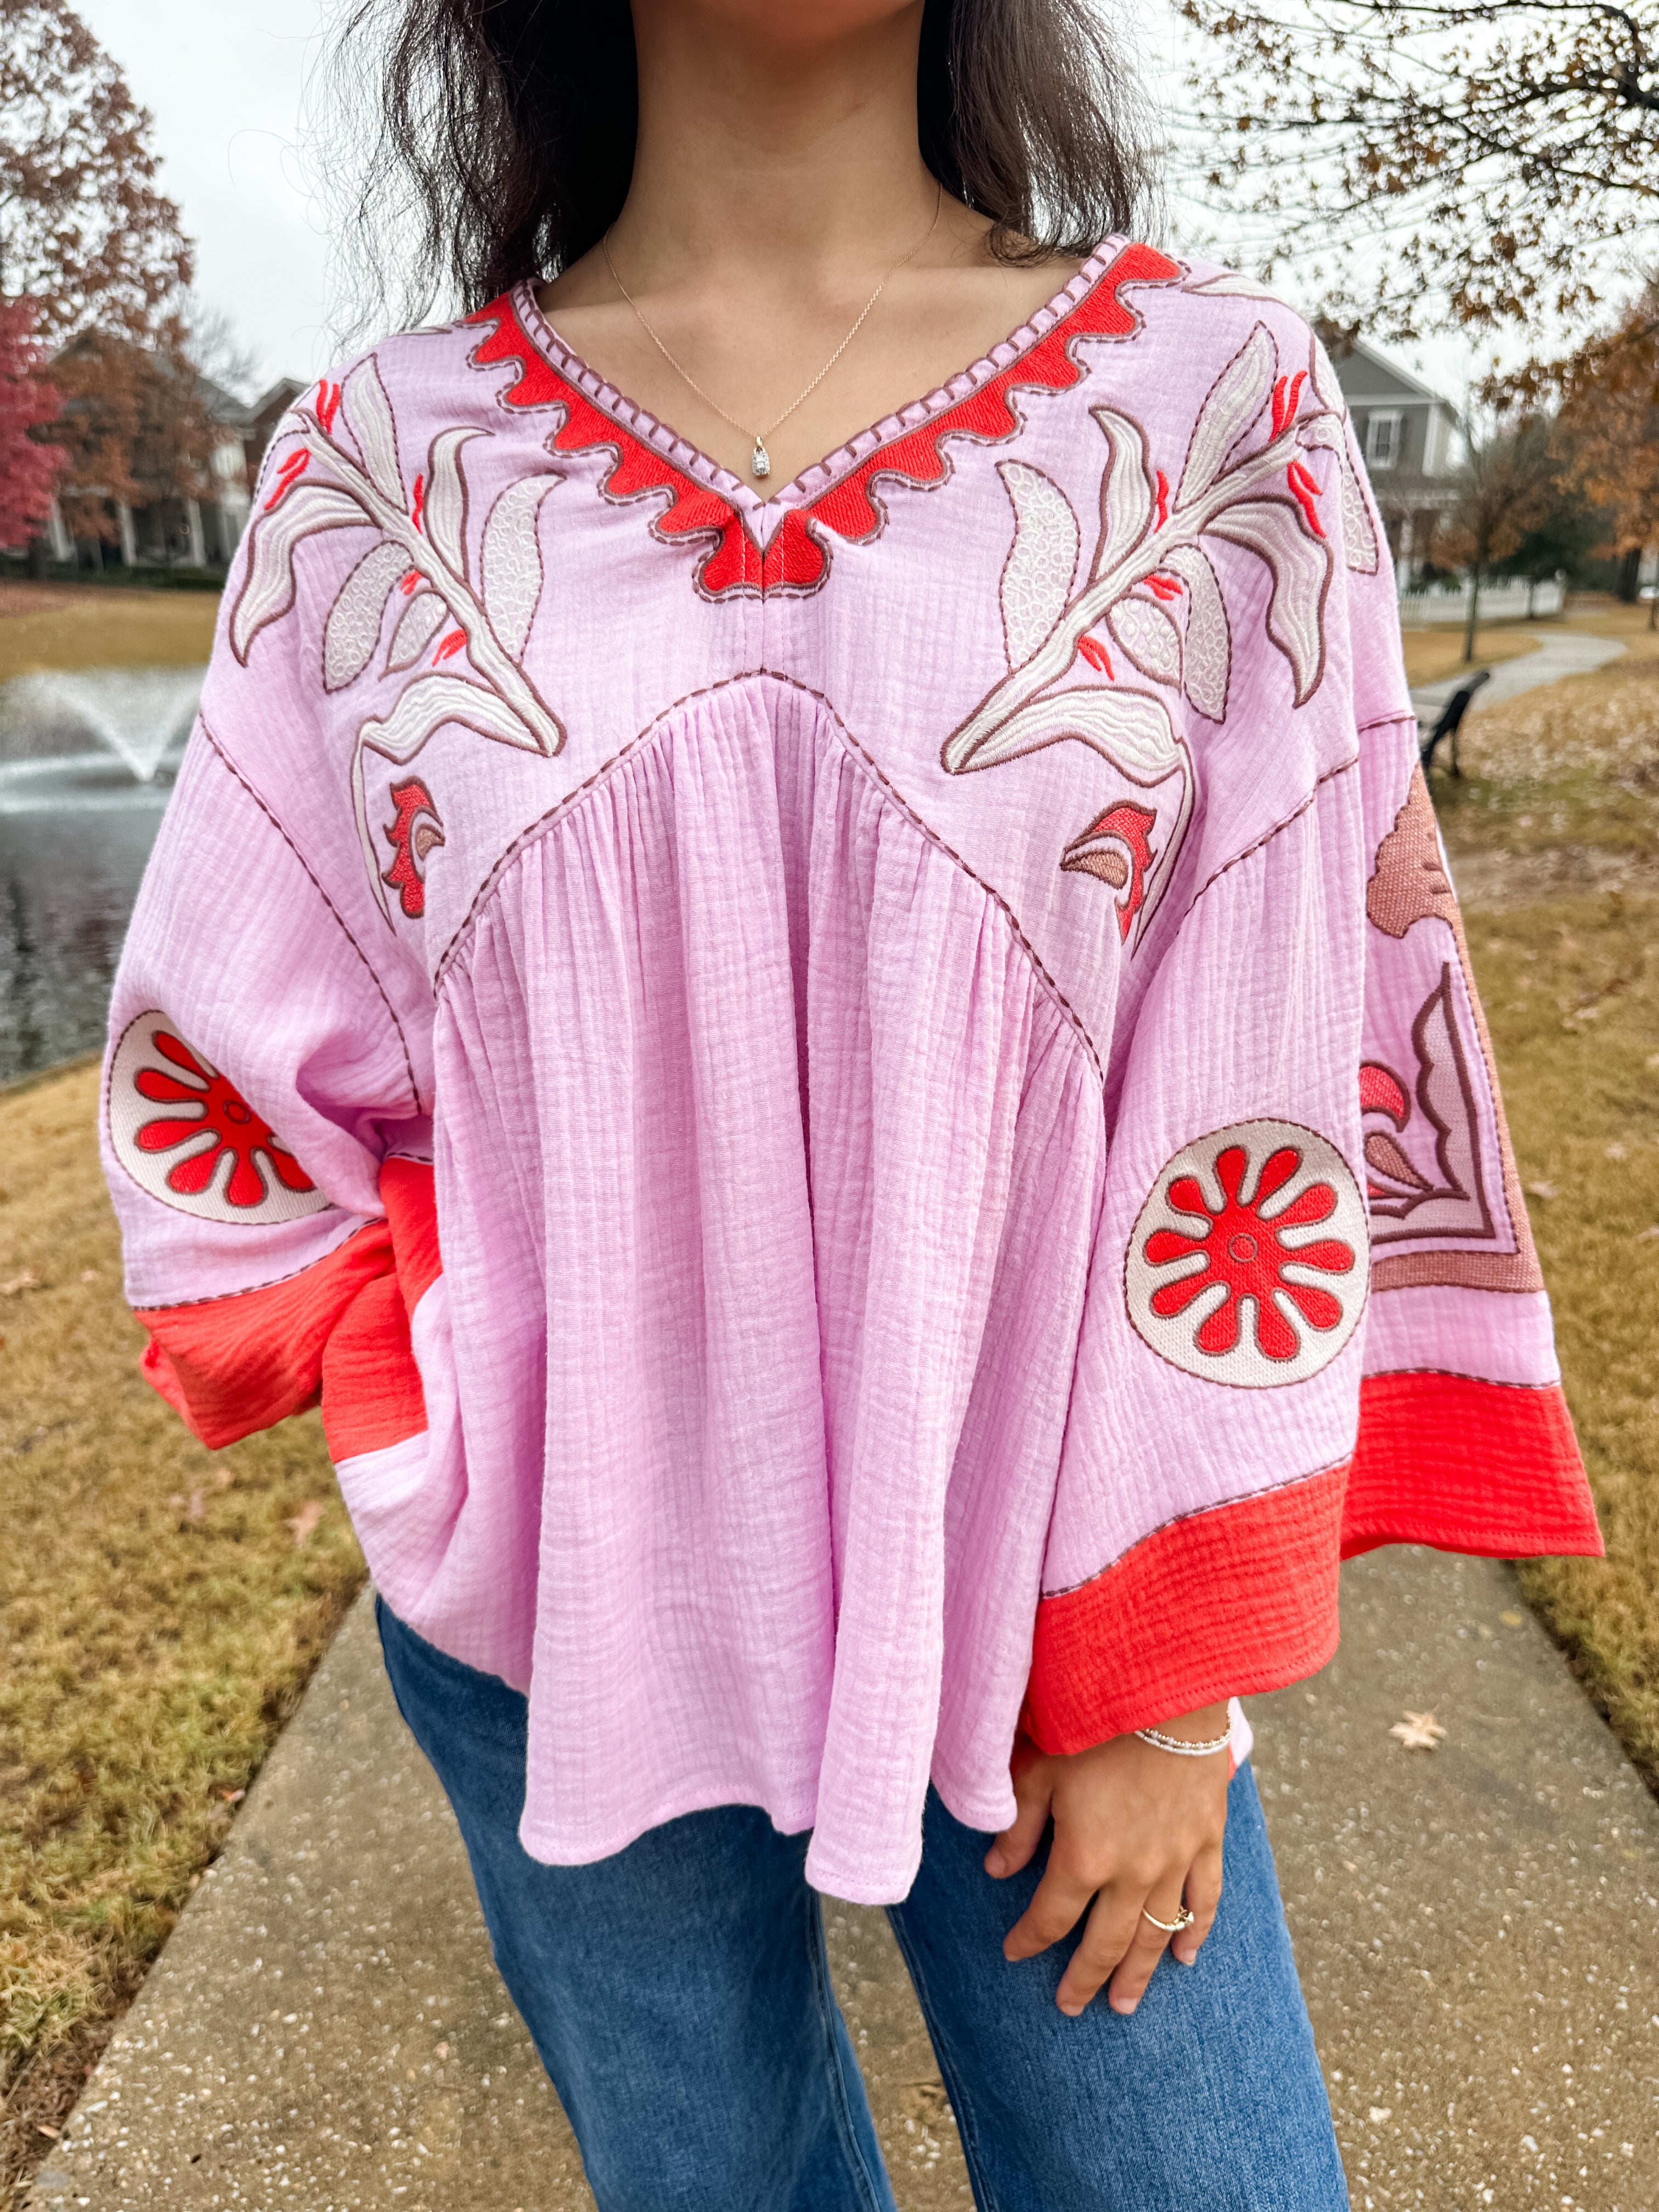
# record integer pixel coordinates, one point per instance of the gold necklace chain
(760, 461)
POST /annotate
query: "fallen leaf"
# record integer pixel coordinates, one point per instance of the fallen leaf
(42, 2128)
(196, 1509)
(305, 1520)
(1418, 1732)
(1513, 1619)
(1615, 1151)
(1647, 1236)
(1542, 1190)
(28, 1281)
(223, 1477)
(90, 1275)
(233, 1796)
(1381, 2113)
(443, 2050)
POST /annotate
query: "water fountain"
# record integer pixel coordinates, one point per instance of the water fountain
(100, 737)
(87, 765)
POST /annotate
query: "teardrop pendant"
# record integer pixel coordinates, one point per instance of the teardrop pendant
(761, 462)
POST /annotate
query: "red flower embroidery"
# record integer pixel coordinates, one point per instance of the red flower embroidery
(292, 467)
(1287, 394)
(411, 833)
(1306, 488)
(236, 1127)
(1246, 1253)
(1117, 849)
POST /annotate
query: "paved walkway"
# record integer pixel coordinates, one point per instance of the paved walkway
(1562, 653)
(1478, 1929)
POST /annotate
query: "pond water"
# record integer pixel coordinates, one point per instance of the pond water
(87, 765)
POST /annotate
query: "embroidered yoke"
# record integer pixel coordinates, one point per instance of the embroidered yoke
(866, 1107)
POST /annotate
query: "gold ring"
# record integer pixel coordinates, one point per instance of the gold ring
(1171, 1927)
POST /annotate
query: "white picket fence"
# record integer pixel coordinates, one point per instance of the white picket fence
(1508, 601)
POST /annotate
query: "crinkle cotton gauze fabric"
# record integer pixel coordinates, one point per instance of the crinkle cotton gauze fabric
(867, 1108)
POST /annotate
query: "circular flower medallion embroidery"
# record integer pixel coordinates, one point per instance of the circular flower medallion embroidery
(1249, 1263)
(184, 1135)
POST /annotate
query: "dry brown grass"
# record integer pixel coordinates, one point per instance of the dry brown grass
(157, 1619)
(45, 626)
(1554, 837)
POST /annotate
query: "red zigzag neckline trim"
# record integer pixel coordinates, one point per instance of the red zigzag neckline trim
(796, 561)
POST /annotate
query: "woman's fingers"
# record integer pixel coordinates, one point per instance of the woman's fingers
(1203, 1894)
(1013, 1849)
(1056, 1906)
(1111, 1949)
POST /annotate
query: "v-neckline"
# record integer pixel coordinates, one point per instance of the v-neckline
(812, 482)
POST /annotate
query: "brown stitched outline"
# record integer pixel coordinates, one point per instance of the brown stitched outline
(1174, 1521)
(451, 952)
(1441, 996)
(229, 766)
(1385, 721)
(1267, 836)
(218, 1297)
(1456, 1375)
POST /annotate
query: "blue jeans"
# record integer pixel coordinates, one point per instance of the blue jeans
(679, 1997)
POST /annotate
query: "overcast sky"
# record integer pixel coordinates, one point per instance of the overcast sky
(226, 82)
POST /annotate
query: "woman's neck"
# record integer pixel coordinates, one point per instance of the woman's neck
(768, 157)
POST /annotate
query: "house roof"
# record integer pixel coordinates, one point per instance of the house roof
(1365, 375)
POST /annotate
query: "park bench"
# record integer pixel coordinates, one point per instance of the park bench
(1449, 721)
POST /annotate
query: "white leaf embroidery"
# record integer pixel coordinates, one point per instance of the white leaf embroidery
(511, 560)
(443, 516)
(1037, 577)
(1234, 399)
(1207, 663)
(368, 413)
(1132, 729)
(353, 628)
(268, 588)
(1300, 564)
(419, 624)
(429, 702)
(1126, 493)
(1149, 636)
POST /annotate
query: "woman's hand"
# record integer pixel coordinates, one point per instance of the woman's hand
(1136, 1829)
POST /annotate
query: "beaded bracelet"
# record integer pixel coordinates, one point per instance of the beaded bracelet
(1179, 1744)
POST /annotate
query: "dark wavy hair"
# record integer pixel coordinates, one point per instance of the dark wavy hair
(505, 137)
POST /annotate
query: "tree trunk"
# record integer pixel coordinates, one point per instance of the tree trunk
(38, 551)
(1629, 570)
(1475, 567)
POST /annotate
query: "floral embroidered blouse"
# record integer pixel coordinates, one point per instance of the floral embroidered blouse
(866, 1107)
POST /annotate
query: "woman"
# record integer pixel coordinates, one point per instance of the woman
(788, 1042)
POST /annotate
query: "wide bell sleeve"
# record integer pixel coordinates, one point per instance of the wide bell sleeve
(264, 1135)
(1315, 1320)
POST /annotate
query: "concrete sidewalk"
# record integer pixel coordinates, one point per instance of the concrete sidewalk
(1478, 1929)
(1561, 653)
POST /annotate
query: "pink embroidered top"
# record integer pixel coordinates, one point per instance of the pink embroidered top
(867, 1107)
